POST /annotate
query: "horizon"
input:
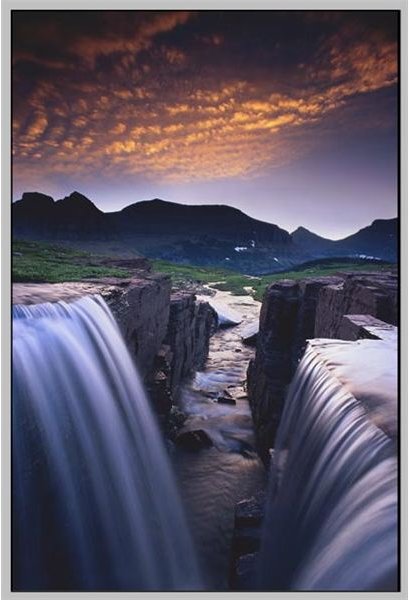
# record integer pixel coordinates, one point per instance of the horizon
(199, 205)
(289, 116)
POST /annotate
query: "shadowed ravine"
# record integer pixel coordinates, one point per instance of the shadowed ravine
(98, 503)
(215, 479)
(331, 520)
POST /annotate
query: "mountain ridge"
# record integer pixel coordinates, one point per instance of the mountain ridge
(216, 234)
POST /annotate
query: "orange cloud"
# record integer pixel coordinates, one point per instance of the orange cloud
(146, 121)
(89, 48)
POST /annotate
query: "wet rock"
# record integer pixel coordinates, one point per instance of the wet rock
(226, 316)
(245, 541)
(225, 397)
(167, 335)
(160, 393)
(293, 312)
(244, 572)
(249, 514)
(158, 382)
(174, 423)
(357, 327)
(374, 294)
(226, 400)
(194, 440)
(141, 310)
(250, 333)
(190, 327)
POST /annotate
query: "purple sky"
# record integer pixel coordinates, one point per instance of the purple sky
(289, 116)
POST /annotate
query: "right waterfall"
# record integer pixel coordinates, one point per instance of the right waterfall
(331, 518)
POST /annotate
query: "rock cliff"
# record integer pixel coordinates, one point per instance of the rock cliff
(167, 334)
(294, 311)
(190, 326)
(364, 294)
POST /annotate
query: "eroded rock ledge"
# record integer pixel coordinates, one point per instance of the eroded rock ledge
(167, 334)
(294, 311)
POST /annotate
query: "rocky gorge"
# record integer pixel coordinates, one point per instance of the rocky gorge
(293, 312)
(217, 370)
(167, 334)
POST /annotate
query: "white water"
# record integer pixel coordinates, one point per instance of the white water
(95, 506)
(331, 521)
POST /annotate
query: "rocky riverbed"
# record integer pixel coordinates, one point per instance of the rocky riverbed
(225, 468)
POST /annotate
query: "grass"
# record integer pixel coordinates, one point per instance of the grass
(37, 262)
(235, 282)
(41, 262)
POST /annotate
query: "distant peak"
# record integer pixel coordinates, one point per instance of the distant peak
(78, 203)
(301, 229)
(37, 197)
(77, 196)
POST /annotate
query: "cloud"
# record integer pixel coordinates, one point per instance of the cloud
(141, 105)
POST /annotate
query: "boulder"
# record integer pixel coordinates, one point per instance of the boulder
(226, 316)
(249, 333)
(250, 512)
(225, 397)
(194, 440)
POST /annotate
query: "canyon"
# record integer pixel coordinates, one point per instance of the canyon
(218, 385)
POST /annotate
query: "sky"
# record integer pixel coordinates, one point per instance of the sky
(290, 116)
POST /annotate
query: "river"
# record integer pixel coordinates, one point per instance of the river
(214, 479)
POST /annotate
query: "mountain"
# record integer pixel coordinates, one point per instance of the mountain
(37, 215)
(310, 241)
(216, 235)
(378, 240)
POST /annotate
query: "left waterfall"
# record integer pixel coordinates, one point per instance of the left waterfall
(94, 502)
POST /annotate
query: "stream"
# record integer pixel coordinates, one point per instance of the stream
(212, 480)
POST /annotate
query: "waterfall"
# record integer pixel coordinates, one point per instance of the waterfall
(94, 502)
(331, 515)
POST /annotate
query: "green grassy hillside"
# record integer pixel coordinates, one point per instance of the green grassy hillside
(41, 262)
(38, 262)
(225, 280)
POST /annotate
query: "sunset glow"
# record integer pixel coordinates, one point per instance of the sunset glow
(194, 102)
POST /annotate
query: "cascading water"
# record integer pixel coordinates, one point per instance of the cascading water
(331, 520)
(94, 505)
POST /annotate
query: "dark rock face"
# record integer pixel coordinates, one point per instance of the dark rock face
(364, 294)
(158, 383)
(167, 336)
(293, 312)
(287, 319)
(190, 326)
(358, 327)
(248, 519)
(142, 312)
